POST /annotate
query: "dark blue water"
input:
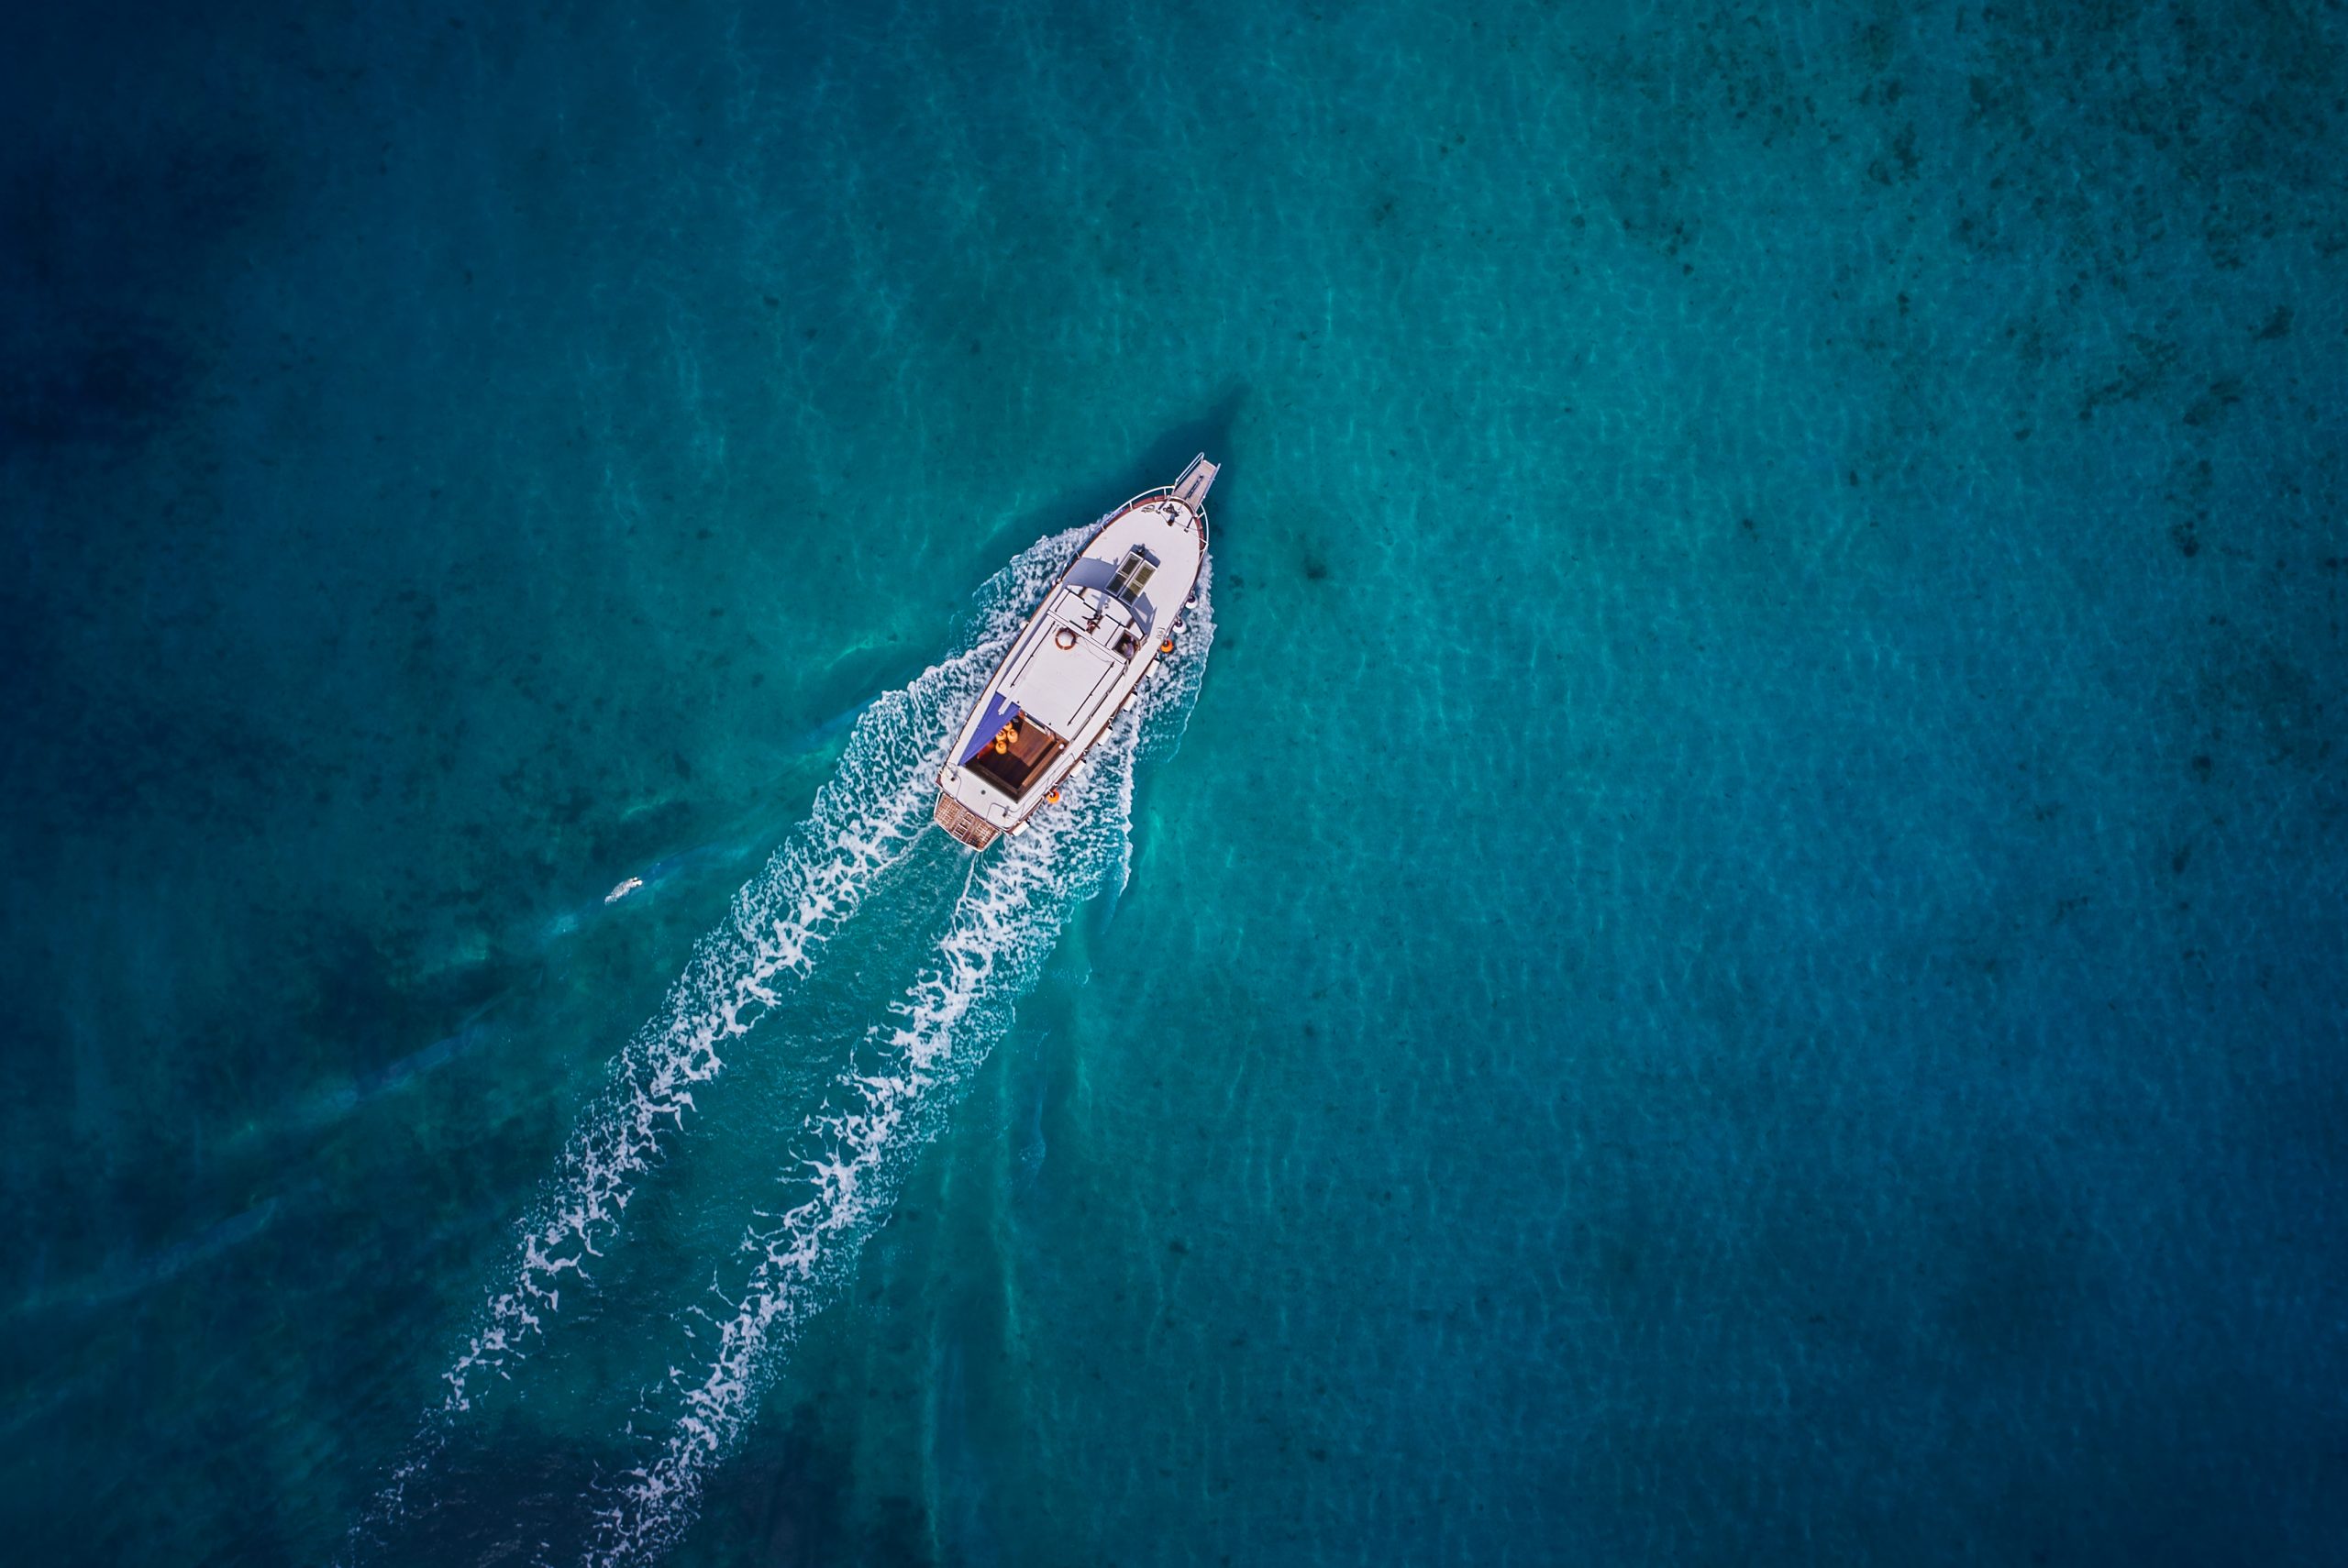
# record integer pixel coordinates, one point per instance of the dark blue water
(1735, 955)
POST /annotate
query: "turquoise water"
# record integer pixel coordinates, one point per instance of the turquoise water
(1725, 946)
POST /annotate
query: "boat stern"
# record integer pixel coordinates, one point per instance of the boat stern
(963, 823)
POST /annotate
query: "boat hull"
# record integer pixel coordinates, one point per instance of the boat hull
(1075, 666)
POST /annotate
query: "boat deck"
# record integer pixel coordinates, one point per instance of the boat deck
(1074, 667)
(1028, 748)
(964, 823)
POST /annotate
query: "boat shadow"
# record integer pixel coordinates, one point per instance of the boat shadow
(1157, 464)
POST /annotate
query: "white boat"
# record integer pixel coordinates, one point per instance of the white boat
(1076, 664)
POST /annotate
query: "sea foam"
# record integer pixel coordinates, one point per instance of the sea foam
(866, 818)
(865, 821)
(852, 1156)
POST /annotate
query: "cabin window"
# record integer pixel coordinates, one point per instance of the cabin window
(1133, 574)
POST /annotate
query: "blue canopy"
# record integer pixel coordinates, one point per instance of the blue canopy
(1000, 711)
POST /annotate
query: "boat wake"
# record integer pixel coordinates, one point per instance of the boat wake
(890, 1098)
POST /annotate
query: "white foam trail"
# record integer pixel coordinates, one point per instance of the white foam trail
(865, 820)
(894, 1099)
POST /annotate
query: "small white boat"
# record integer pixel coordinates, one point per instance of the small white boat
(1110, 618)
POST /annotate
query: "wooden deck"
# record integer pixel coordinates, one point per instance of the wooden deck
(963, 823)
(1014, 770)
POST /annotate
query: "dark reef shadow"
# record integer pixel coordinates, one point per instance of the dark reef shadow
(790, 1497)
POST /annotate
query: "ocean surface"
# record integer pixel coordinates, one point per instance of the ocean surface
(1726, 943)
